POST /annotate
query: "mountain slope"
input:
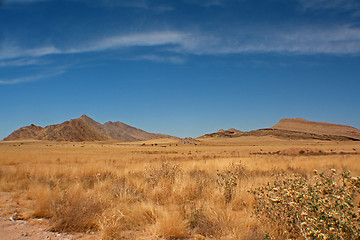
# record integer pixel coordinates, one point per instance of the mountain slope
(83, 129)
(29, 132)
(126, 133)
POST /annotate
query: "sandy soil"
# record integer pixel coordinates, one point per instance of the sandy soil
(13, 225)
(21, 229)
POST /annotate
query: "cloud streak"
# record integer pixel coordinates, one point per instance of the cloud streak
(104, 44)
(206, 3)
(22, 62)
(13, 52)
(341, 40)
(159, 58)
(331, 4)
(32, 78)
(308, 41)
(133, 40)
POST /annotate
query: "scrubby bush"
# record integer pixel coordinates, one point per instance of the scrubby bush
(76, 211)
(166, 170)
(322, 207)
(228, 179)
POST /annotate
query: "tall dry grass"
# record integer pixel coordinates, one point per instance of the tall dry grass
(172, 192)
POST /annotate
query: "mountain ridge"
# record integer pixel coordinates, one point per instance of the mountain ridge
(84, 128)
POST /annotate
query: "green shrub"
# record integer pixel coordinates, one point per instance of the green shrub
(323, 207)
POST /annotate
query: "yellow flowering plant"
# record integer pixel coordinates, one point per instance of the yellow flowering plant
(322, 207)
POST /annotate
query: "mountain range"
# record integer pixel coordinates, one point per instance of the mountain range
(86, 129)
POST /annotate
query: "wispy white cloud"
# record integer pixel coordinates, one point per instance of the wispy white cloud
(25, 1)
(140, 4)
(107, 43)
(341, 40)
(32, 78)
(305, 40)
(22, 62)
(339, 5)
(137, 3)
(12, 52)
(133, 40)
(159, 58)
(206, 3)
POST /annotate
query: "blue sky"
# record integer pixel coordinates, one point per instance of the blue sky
(181, 67)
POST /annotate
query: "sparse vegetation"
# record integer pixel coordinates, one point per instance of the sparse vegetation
(180, 192)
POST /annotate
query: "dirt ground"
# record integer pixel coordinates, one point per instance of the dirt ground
(13, 225)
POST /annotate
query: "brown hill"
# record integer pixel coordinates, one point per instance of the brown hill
(279, 133)
(297, 129)
(322, 128)
(29, 132)
(83, 129)
(232, 132)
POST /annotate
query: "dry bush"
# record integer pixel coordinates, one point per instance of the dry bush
(76, 211)
(161, 193)
(200, 181)
(127, 190)
(45, 198)
(116, 221)
(229, 179)
(185, 191)
(209, 219)
(239, 169)
(171, 225)
(165, 170)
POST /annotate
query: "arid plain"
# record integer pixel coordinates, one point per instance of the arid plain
(158, 188)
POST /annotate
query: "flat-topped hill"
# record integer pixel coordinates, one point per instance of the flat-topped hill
(323, 128)
(297, 129)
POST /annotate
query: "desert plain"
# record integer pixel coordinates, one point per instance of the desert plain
(153, 189)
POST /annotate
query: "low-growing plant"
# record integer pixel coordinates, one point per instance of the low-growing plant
(324, 207)
(166, 170)
(116, 220)
(171, 225)
(229, 178)
(227, 181)
(75, 211)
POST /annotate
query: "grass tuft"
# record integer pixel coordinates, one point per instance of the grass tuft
(171, 225)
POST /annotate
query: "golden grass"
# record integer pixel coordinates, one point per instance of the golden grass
(168, 191)
(171, 225)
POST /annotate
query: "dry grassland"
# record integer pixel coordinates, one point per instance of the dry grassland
(162, 190)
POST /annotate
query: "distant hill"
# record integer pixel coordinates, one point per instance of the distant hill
(84, 129)
(232, 132)
(323, 128)
(297, 128)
